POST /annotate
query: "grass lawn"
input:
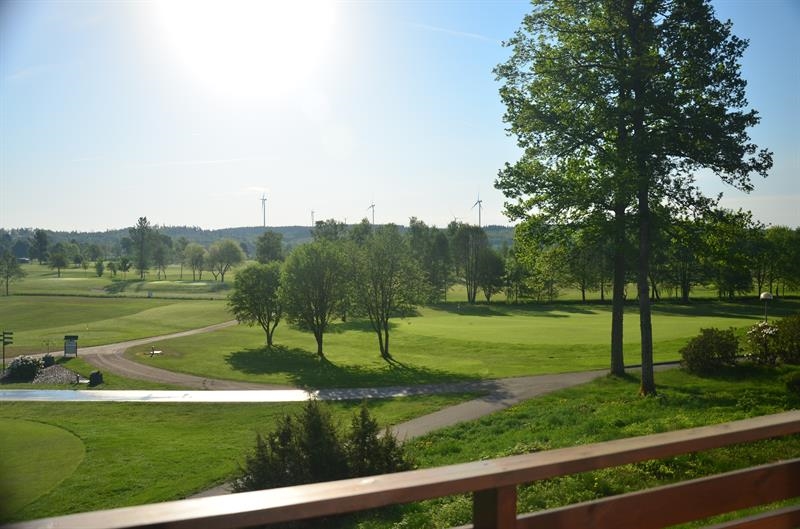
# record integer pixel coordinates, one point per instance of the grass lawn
(39, 323)
(446, 343)
(139, 453)
(606, 409)
(36, 458)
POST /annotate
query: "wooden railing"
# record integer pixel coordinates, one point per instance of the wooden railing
(494, 487)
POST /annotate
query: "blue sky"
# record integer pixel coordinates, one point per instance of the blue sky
(114, 110)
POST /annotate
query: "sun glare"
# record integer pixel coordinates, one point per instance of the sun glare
(246, 50)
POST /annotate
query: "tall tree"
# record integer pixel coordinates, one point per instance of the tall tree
(466, 243)
(388, 282)
(256, 297)
(222, 256)
(314, 282)
(491, 272)
(58, 261)
(162, 252)
(180, 246)
(727, 254)
(329, 230)
(141, 237)
(10, 270)
(39, 245)
(269, 247)
(430, 247)
(194, 255)
(635, 94)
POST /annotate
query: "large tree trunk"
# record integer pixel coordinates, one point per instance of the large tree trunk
(618, 296)
(648, 386)
(318, 337)
(637, 32)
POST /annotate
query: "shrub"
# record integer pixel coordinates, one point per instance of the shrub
(24, 368)
(788, 339)
(793, 383)
(761, 343)
(308, 448)
(95, 378)
(48, 360)
(710, 350)
(369, 452)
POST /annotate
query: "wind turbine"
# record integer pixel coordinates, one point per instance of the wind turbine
(372, 207)
(264, 208)
(312, 218)
(478, 203)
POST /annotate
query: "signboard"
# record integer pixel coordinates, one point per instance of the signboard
(71, 345)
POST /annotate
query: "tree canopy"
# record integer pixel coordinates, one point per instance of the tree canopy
(616, 103)
(256, 297)
(315, 283)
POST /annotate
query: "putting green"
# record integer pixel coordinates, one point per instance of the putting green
(44, 456)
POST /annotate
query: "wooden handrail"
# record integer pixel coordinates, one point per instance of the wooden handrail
(493, 482)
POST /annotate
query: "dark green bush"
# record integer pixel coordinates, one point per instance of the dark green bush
(95, 378)
(793, 383)
(24, 368)
(788, 339)
(48, 360)
(369, 452)
(710, 350)
(308, 448)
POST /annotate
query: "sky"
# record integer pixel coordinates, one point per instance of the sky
(188, 113)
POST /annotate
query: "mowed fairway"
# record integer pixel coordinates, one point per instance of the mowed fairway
(446, 343)
(43, 456)
(39, 323)
(145, 452)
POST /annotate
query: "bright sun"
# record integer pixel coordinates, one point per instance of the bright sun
(247, 50)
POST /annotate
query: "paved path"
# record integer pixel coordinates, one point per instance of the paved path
(111, 358)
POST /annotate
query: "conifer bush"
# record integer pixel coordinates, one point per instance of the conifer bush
(309, 448)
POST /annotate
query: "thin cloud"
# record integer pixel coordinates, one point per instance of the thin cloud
(456, 33)
(197, 162)
(30, 71)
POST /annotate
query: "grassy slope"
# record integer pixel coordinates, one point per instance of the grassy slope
(609, 409)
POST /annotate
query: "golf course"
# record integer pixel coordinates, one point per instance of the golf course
(116, 454)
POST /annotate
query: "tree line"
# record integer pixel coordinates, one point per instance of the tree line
(374, 272)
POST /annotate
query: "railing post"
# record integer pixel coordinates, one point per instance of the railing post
(495, 508)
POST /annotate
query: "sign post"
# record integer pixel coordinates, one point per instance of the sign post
(8, 339)
(71, 345)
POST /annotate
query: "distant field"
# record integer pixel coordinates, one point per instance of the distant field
(41, 280)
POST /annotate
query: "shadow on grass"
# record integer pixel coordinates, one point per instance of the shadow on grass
(306, 370)
(755, 389)
(544, 310)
